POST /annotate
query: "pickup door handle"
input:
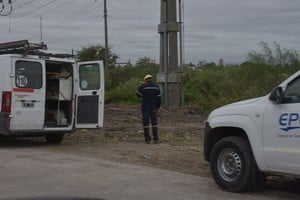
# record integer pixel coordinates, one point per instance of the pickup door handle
(94, 92)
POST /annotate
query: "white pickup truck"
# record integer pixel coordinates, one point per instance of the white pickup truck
(247, 140)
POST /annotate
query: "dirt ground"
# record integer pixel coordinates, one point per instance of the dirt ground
(180, 149)
(121, 139)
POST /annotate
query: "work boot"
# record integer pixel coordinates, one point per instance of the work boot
(147, 135)
(155, 133)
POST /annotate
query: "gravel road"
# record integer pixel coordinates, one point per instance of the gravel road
(39, 173)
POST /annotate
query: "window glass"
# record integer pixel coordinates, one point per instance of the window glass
(28, 74)
(292, 92)
(89, 75)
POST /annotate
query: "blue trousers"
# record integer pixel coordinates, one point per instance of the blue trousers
(150, 114)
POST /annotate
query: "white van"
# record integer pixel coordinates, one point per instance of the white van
(49, 96)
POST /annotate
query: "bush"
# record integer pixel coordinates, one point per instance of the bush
(124, 93)
(121, 83)
(217, 86)
(117, 76)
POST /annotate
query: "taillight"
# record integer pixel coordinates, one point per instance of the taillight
(6, 102)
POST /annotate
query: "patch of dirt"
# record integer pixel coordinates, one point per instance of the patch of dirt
(121, 139)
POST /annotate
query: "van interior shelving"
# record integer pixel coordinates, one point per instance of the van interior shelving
(59, 94)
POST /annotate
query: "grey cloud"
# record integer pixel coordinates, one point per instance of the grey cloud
(213, 29)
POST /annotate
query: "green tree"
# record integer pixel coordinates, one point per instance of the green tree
(96, 52)
(145, 62)
(273, 55)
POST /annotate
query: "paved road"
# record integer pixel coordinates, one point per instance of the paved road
(34, 172)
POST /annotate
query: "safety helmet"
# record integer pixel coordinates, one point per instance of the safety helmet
(148, 76)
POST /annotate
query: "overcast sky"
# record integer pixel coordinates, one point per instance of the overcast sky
(214, 29)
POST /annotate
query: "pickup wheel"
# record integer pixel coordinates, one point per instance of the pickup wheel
(55, 138)
(231, 164)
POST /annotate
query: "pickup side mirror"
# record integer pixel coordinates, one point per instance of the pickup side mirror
(276, 95)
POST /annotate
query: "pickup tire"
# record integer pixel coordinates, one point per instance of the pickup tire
(55, 138)
(231, 164)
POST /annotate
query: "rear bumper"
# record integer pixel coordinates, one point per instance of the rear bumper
(5, 129)
(4, 123)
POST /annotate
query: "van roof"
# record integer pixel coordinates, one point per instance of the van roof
(38, 57)
(23, 47)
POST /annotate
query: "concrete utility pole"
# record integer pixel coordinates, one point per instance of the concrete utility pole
(170, 75)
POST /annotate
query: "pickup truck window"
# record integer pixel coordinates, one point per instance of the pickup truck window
(292, 92)
(28, 74)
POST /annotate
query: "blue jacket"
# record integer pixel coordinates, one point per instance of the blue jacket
(150, 94)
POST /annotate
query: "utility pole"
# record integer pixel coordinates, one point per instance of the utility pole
(170, 74)
(106, 62)
(181, 44)
(41, 29)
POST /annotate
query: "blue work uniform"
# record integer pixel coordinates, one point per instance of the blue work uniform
(151, 101)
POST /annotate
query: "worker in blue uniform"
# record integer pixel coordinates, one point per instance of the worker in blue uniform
(149, 92)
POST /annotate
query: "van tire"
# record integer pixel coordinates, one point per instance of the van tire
(55, 138)
(231, 164)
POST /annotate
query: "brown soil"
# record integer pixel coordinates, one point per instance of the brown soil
(121, 140)
(180, 148)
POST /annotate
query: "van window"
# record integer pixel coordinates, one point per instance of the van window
(89, 75)
(28, 74)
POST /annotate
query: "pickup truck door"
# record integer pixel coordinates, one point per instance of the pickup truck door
(28, 95)
(281, 130)
(90, 95)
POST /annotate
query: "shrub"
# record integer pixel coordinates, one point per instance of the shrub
(121, 83)
(217, 86)
(124, 93)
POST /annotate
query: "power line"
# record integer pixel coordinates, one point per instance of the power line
(20, 17)
(83, 12)
(23, 5)
(34, 9)
(49, 10)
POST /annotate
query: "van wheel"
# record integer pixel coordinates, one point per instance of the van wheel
(231, 164)
(55, 138)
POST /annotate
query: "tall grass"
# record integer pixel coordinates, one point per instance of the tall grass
(205, 89)
(217, 86)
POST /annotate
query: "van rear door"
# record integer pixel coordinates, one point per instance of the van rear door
(28, 95)
(90, 95)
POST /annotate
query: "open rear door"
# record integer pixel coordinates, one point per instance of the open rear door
(90, 94)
